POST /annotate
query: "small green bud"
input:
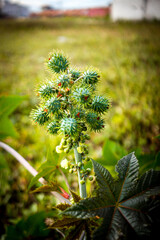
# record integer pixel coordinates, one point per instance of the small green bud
(90, 178)
(82, 182)
(58, 150)
(88, 170)
(64, 163)
(79, 164)
(70, 170)
(72, 200)
(79, 149)
(87, 159)
(66, 150)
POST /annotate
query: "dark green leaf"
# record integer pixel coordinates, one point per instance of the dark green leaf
(123, 204)
(62, 206)
(75, 196)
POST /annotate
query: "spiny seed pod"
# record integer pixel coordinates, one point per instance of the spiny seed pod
(74, 74)
(98, 125)
(63, 81)
(90, 77)
(79, 113)
(46, 90)
(53, 105)
(100, 104)
(69, 126)
(91, 118)
(82, 95)
(58, 63)
(40, 116)
(53, 127)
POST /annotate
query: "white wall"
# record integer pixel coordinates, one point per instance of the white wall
(135, 10)
(153, 9)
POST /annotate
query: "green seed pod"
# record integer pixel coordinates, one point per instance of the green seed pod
(53, 127)
(58, 63)
(90, 77)
(46, 90)
(69, 126)
(82, 95)
(53, 105)
(100, 104)
(74, 74)
(40, 116)
(63, 81)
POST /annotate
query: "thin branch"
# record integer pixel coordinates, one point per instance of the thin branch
(21, 160)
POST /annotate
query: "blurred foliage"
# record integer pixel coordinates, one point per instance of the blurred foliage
(128, 56)
(32, 227)
(7, 106)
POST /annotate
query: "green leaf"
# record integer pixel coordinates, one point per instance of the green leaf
(125, 205)
(112, 152)
(7, 128)
(43, 173)
(32, 227)
(8, 104)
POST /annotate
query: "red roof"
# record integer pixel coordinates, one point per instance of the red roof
(90, 12)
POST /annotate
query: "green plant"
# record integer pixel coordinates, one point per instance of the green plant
(70, 106)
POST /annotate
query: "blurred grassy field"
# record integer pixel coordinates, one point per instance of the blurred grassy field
(128, 56)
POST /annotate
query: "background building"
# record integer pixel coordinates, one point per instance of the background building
(135, 9)
(14, 9)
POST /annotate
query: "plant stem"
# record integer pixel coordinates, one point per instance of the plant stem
(82, 187)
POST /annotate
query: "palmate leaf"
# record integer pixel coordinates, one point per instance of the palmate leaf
(123, 204)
